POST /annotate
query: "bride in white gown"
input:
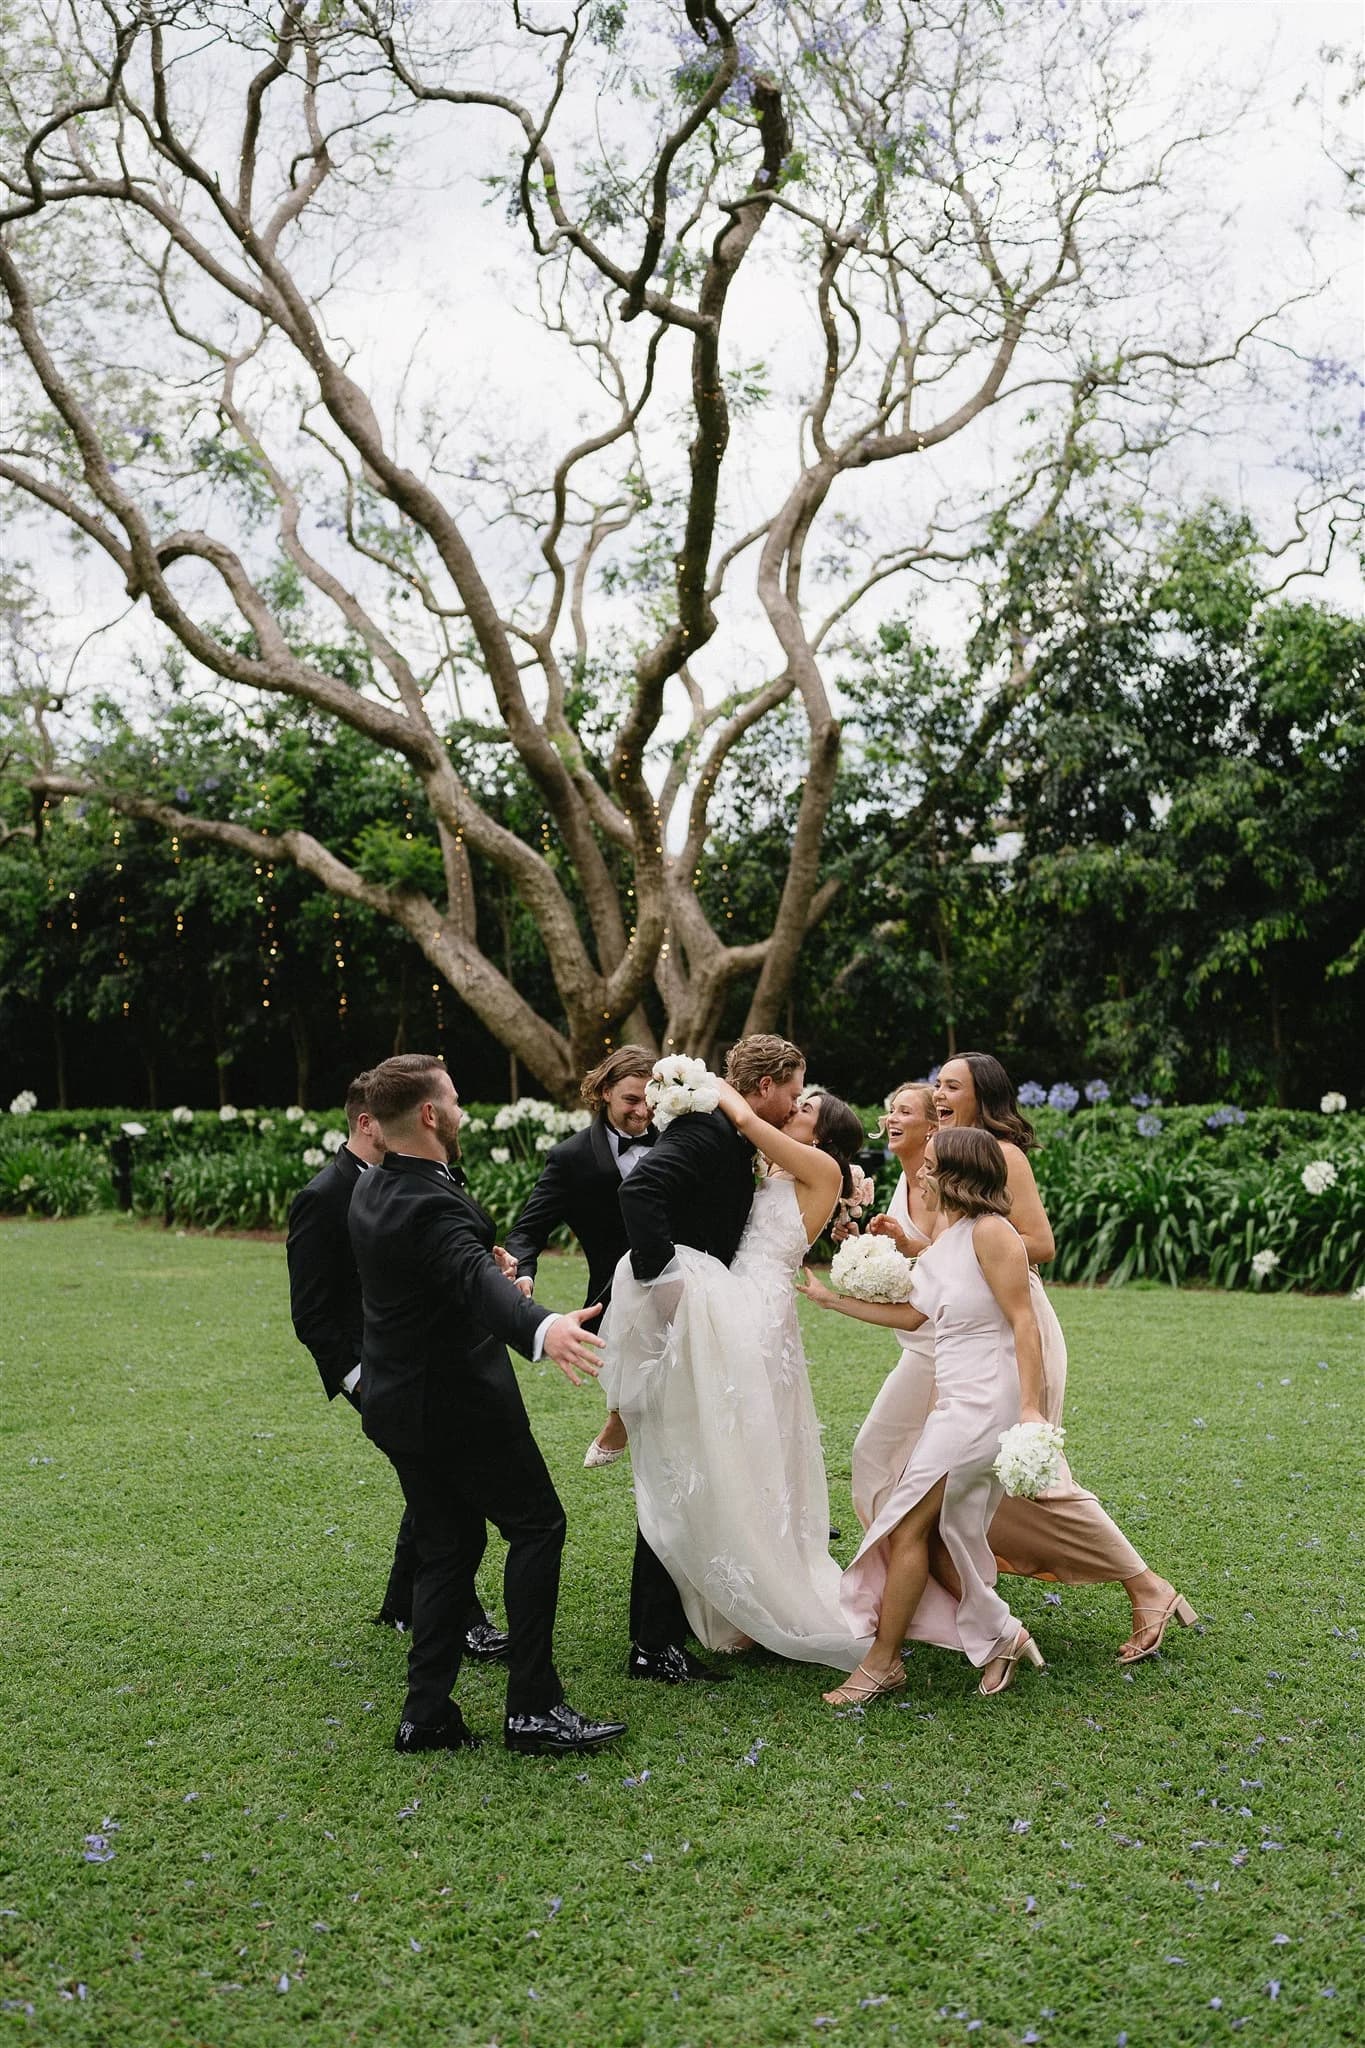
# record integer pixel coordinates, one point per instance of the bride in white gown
(729, 1477)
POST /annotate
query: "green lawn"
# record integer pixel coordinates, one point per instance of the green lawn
(192, 1542)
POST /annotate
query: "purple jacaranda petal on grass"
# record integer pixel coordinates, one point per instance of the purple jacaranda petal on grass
(98, 1849)
(1020, 1827)
(1272, 1989)
(282, 1982)
(555, 1905)
(1030, 1904)
(864, 2003)
(1052, 1599)
(1279, 1940)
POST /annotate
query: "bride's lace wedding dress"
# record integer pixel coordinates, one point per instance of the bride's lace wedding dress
(724, 1442)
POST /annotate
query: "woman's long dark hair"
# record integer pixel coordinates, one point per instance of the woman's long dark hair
(839, 1131)
(997, 1105)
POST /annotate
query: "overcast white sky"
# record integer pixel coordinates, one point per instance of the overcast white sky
(1279, 220)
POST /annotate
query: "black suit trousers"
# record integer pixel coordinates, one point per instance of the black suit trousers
(452, 1492)
(657, 1617)
(397, 1602)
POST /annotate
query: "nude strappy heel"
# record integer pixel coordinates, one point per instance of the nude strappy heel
(1177, 1608)
(864, 1685)
(1024, 1648)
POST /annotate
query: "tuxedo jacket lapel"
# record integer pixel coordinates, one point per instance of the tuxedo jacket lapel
(603, 1151)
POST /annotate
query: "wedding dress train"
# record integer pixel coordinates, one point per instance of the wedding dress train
(707, 1369)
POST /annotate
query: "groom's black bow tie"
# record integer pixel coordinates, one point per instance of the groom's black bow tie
(624, 1141)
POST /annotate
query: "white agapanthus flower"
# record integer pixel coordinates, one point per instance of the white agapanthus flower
(578, 1119)
(133, 1130)
(680, 1087)
(332, 1141)
(1359, 1296)
(308, 1128)
(505, 1117)
(1029, 1460)
(27, 1184)
(1264, 1263)
(24, 1103)
(475, 1123)
(315, 1156)
(182, 1114)
(871, 1269)
(227, 1114)
(545, 1141)
(499, 1155)
(293, 1115)
(1333, 1102)
(267, 1123)
(1318, 1176)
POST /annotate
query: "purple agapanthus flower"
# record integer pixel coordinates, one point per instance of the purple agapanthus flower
(1097, 1091)
(1140, 1101)
(1149, 1126)
(1032, 1096)
(1061, 1095)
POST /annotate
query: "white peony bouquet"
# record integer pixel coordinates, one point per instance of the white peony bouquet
(680, 1086)
(1029, 1460)
(871, 1269)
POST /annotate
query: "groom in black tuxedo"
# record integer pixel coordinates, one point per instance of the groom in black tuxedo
(440, 1398)
(580, 1186)
(325, 1305)
(696, 1188)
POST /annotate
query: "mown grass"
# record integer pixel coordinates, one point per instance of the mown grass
(192, 1542)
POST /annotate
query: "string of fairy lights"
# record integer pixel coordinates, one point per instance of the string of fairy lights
(64, 910)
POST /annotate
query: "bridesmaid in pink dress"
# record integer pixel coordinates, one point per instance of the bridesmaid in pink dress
(925, 1567)
(1066, 1535)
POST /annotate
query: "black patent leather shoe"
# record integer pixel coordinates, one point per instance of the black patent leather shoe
(412, 1737)
(560, 1731)
(673, 1665)
(486, 1642)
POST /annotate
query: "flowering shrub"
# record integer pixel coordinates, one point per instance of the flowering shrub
(1184, 1196)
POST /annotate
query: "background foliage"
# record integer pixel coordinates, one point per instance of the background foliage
(1155, 870)
(1181, 1195)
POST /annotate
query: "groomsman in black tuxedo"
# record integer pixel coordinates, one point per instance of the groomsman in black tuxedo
(696, 1188)
(324, 1301)
(439, 1397)
(580, 1186)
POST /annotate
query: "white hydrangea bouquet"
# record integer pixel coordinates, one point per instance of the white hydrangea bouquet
(1029, 1460)
(871, 1269)
(680, 1087)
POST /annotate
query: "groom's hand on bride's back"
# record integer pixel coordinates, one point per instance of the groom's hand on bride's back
(573, 1348)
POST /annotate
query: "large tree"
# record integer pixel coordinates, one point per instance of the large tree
(778, 257)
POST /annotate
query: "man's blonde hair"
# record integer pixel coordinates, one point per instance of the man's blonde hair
(762, 1055)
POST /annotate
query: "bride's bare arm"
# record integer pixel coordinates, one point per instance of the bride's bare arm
(812, 1170)
(891, 1315)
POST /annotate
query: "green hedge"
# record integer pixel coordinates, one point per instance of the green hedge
(1196, 1193)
